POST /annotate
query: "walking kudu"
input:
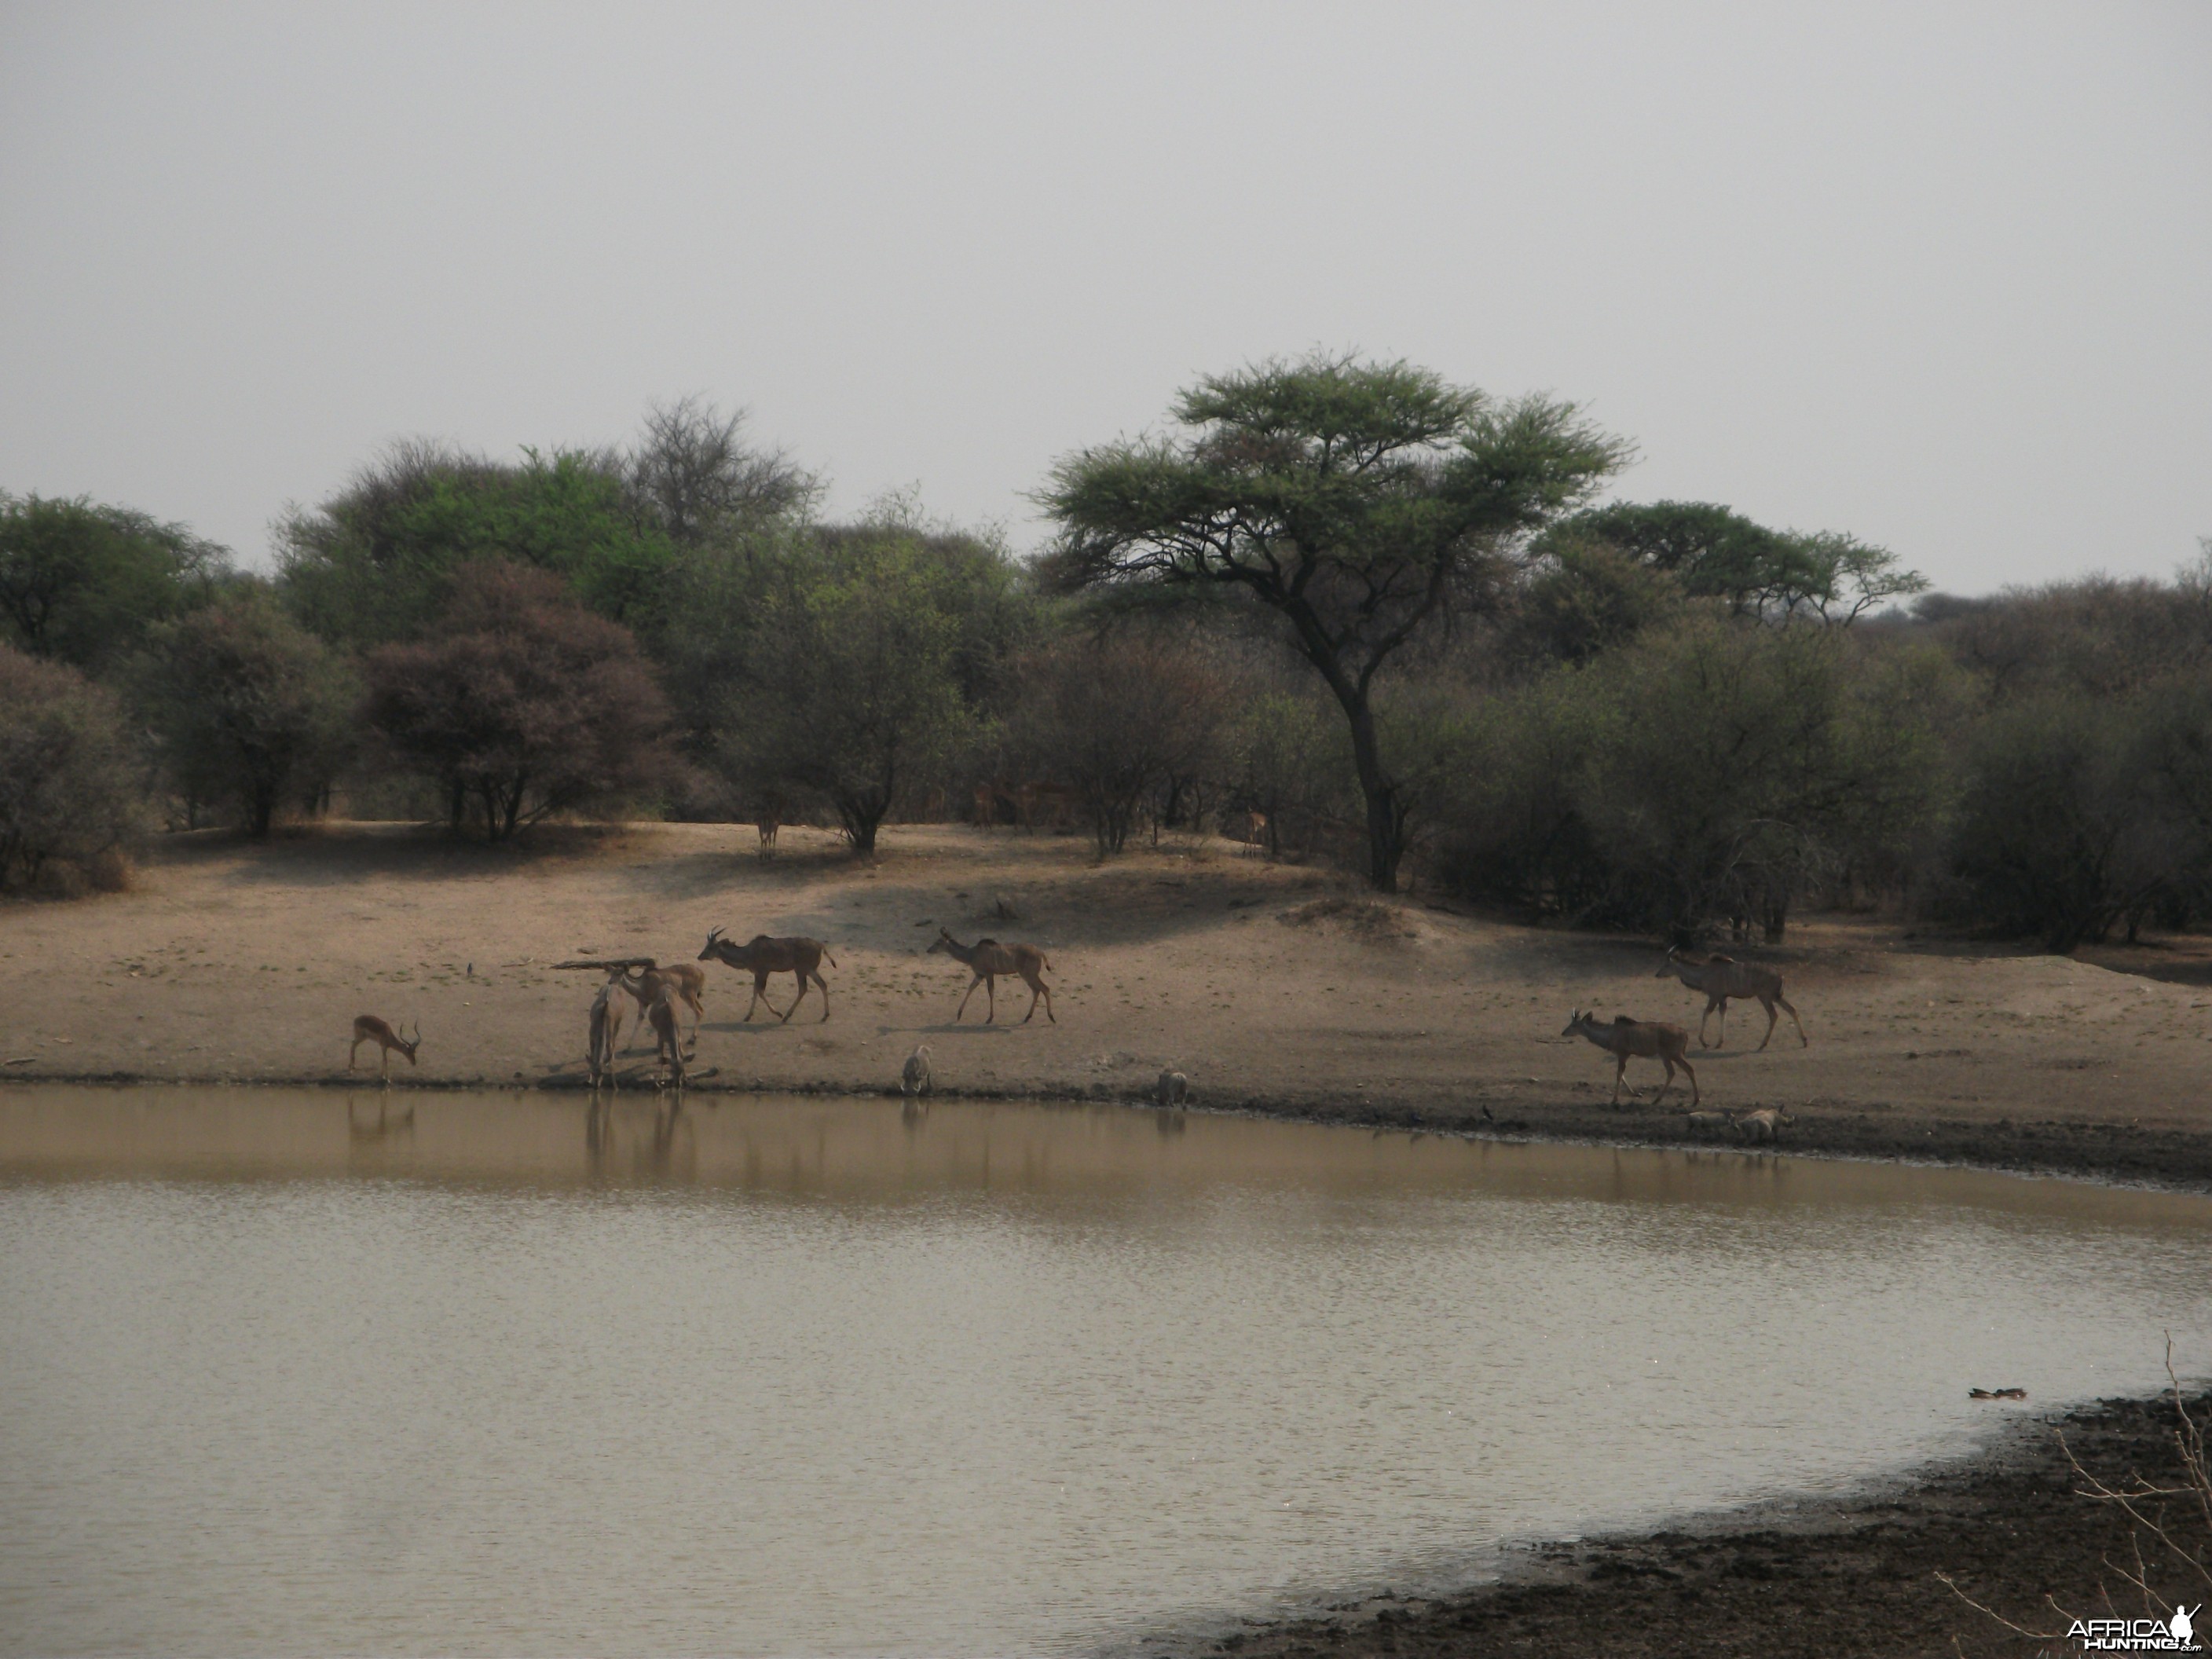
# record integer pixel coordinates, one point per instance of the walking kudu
(986, 959)
(1627, 1039)
(762, 955)
(1724, 977)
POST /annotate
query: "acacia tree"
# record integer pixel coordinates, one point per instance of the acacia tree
(521, 703)
(1353, 499)
(1716, 552)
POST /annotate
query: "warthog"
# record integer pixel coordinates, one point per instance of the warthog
(1765, 1125)
(913, 1076)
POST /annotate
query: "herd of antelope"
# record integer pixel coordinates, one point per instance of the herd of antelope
(1723, 980)
(661, 994)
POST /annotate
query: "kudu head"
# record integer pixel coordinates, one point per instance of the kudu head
(713, 945)
(1575, 1022)
(1667, 968)
(942, 942)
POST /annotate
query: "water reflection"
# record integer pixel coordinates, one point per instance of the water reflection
(810, 1376)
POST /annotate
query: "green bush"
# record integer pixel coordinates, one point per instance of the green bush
(68, 783)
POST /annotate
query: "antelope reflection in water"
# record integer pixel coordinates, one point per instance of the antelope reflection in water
(668, 1147)
(388, 1125)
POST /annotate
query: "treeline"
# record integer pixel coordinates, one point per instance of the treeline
(1361, 615)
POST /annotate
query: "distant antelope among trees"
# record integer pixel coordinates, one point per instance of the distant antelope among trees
(1627, 1039)
(770, 822)
(988, 959)
(1724, 977)
(367, 1028)
(762, 955)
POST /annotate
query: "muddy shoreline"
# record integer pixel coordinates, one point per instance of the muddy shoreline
(1853, 1574)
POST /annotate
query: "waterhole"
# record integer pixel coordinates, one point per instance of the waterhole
(284, 1372)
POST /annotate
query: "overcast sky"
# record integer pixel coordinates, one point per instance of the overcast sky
(1938, 274)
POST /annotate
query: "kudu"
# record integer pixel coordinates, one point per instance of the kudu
(1722, 978)
(762, 955)
(1627, 1039)
(367, 1028)
(668, 1040)
(604, 1031)
(686, 982)
(988, 959)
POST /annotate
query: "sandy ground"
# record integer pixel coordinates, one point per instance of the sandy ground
(1272, 986)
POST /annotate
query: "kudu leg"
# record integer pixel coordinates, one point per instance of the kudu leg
(963, 1008)
(1771, 1017)
(1793, 1020)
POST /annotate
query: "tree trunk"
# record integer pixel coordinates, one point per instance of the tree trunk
(1385, 836)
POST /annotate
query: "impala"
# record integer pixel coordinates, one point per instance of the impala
(367, 1028)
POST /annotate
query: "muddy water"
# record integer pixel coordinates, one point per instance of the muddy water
(288, 1372)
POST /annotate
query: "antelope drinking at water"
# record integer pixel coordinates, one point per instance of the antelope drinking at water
(367, 1028)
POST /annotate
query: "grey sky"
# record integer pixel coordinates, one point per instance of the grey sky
(1938, 274)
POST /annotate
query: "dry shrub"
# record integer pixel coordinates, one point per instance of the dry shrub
(1365, 919)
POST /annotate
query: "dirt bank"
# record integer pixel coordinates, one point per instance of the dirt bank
(1859, 1577)
(1274, 988)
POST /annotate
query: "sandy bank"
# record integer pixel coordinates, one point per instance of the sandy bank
(1276, 988)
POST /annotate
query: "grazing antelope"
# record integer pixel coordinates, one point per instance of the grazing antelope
(1627, 1039)
(605, 1028)
(988, 959)
(1722, 978)
(913, 1076)
(668, 1044)
(1764, 1125)
(1248, 828)
(762, 955)
(1174, 1089)
(367, 1028)
(683, 981)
